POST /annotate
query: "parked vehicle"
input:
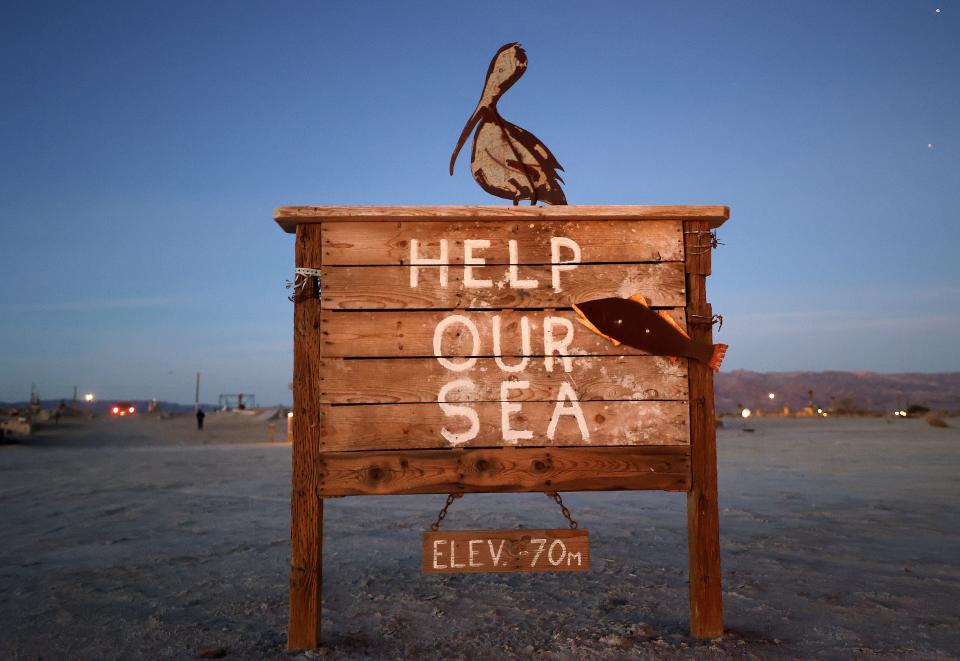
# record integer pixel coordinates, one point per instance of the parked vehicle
(123, 409)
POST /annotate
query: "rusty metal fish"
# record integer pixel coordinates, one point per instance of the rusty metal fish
(632, 322)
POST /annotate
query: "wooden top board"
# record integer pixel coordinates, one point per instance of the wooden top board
(289, 217)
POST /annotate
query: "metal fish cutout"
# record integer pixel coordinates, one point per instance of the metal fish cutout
(630, 321)
(508, 161)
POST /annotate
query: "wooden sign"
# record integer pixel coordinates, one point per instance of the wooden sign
(444, 356)
(473, 551)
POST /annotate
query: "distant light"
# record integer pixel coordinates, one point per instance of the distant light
(896, 413)
(825, 414)
(289, 414)
(88, 397)
(937, 10)
(116, 409)
(929, 145)
(771, 395)
(903, 414)
(132, 410)
(745, 413)
(819, 410)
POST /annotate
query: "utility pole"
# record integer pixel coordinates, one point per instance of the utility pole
(196, 400)
(74, 394)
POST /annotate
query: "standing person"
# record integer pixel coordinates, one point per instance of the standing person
(200, 416)
(61, 409)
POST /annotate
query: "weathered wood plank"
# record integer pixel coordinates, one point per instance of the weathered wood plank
(503, 551)
(413, 380)
(664, 468)
(410, 334)
(389, 287)
(306, 506)
(390, 243)
(703, 516)
(423, 426)
(288, 217)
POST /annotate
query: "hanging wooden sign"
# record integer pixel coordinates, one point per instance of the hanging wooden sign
(445, 355)
(473, 551)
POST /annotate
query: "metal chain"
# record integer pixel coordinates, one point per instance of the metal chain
(443, 512)
(566, 513)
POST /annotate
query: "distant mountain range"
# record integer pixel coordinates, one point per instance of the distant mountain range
(866, 391)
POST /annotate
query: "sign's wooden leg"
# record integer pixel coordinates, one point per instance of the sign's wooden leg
(306, 577)
(703, 517)
(703, 524)
(306, 505)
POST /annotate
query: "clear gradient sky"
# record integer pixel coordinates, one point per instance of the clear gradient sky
(145, 144)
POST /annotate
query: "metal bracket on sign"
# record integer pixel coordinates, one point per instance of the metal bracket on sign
(715, 320)
(301, 278)
(702, 248)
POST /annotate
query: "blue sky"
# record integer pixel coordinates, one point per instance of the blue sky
(145, 145)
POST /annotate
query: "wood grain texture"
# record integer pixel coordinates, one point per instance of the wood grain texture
(418, 380)
(388, 287)
(306, 506)
(389, 243)
(318, 473)
(419, 426)
(410, 334)
(288, 217)
(703, 519)
(505, 551)
(665, 468)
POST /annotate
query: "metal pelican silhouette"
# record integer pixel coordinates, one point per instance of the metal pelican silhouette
(508, 161)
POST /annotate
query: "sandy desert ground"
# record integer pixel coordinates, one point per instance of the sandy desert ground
(145, 539)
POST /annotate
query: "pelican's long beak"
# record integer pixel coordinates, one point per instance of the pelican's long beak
(474, 118)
